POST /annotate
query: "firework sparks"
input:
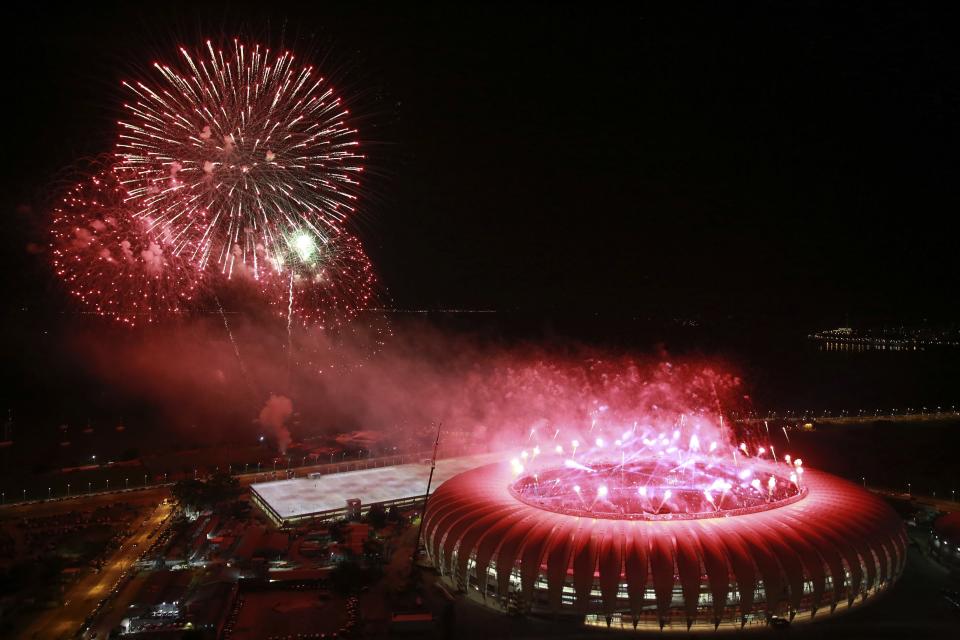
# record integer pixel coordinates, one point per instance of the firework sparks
(233, 156)
(323, 282)
(111, 262)
(648, 458)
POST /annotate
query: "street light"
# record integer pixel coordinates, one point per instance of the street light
(864, 478)
(909, 490)
(126, 482)
(68, 489)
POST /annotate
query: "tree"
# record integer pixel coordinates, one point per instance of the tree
(189, 493)
(377, 516)
(196, 494)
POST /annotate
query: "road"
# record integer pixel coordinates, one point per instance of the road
(940, 504)
(151, 495)
(861, 418)
(81, 599)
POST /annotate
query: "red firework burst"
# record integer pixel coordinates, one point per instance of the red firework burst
(320, 281)
(111, 262)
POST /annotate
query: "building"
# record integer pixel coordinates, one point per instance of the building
(294, 501)
(816, 551)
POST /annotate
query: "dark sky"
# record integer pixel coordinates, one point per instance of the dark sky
(773, 158)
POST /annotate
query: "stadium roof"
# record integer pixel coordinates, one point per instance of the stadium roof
(474, 523)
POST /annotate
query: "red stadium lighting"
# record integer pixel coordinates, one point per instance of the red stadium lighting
(652, 545)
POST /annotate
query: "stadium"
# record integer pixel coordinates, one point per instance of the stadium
(663, 554)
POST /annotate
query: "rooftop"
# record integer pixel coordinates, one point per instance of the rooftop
(290, 500)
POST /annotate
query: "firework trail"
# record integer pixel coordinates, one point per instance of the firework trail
(236, 347)
(290, 328)
(111, 262)
(229, 155)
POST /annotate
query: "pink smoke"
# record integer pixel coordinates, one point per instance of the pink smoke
(273, 416)
(489, 393)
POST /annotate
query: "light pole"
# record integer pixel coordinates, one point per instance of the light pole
(49, 492)
(89, 487)
(864, 478)
(24, 495)
(126, 483)
(68, 489)
(909, 490)
(108, 484)
(426, 497)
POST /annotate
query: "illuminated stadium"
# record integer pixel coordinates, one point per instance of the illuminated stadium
(644, 533)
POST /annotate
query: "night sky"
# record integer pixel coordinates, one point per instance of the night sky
(570, 158)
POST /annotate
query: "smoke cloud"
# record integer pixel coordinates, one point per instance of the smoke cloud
(152, 258)
(273, 417)
(488, 392)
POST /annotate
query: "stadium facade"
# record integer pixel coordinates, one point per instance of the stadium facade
(830, 547)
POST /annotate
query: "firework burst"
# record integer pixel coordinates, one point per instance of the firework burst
(110, 261)
(229, 155)
(321, 280)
